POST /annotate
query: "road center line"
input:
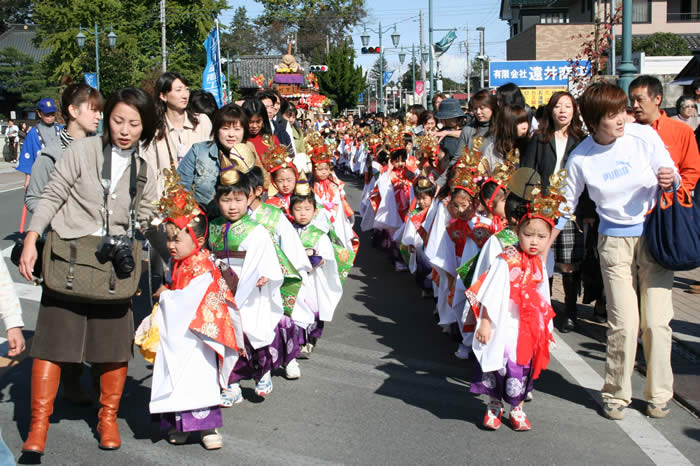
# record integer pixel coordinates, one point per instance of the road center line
(635, 425)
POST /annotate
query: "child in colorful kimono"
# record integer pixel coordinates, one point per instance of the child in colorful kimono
(514, 316)
(323, 287)
(414, 236)
(330, 193)
(199, 344)
(295, 266)
(249, 262)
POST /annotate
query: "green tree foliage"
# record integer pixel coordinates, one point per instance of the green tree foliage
(137, 25)
(22, 78)
(374, 76)
(14, 11)
(657, 45)
(343, 82)
(242, 37)
(315, 22)
(407, 77)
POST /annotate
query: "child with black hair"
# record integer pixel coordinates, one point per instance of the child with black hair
(514, 316)
(414, 235)
(249, 263)
(196, 335)
(296, 266)
(323, 286)
(394, 189)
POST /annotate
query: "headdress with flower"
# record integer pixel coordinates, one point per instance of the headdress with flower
(177, 205)
(548, 207)
(501, 175)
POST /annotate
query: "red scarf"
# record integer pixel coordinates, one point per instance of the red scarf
(211, 320)
(417, 221)
(281, 201)
(402, 192)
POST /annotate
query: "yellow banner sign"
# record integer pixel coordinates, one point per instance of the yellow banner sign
(535, 97)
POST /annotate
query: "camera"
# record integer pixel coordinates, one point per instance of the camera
(117, 249)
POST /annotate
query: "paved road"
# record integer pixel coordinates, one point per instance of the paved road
(381, 388)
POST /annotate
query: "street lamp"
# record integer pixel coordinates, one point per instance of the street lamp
(111, 41)
(402, 57)
(395, 38)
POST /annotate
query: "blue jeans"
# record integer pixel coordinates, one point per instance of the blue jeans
(6, 456)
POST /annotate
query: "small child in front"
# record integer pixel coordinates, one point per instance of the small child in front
(199, 345)
(514, 316)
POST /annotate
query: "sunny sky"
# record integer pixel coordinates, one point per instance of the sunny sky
(458, 14)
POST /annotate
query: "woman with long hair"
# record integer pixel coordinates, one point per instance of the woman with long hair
(178, 126)
(510, 132)
(547, 153)
(485, 110)
(258, 124)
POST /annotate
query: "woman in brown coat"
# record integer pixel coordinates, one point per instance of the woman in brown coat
(76, 205)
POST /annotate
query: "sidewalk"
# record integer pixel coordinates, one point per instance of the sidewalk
(685, 356)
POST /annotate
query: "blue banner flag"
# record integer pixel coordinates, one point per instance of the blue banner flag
(211, 77)
(90, 79)
(387, 76)
(536, 73)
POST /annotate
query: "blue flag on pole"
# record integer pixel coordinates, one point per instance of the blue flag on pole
(211, 77)
(388, 75)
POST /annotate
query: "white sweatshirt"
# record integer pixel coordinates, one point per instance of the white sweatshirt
(621, 178)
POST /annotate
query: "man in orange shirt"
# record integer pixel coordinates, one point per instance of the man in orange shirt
(646, 93)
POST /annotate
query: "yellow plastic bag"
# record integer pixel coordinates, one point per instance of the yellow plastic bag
(147, 336)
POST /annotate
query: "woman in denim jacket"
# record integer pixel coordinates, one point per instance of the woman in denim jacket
(199, 169)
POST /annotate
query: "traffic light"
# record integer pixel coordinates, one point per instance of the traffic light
(371, 50)
(318, 68)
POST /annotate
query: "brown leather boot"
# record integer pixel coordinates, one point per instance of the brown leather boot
(112, 378)
(72, 389)
(46, 376)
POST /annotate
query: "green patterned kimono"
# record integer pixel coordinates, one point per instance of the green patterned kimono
(466, 272)
(403, 249)
(238, 232)
(343, 257)
(269, 216)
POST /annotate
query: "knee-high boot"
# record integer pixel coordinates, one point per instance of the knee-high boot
(112, 379)
(46, 376)
(571, 282)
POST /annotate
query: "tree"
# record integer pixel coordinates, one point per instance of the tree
(374, 76)
(343, 82)
(14, 11)
(407, 77)
(449, 84)
(22, 78)
(137, 25)
(657, 45)
(475, 75)
(242, 37)
(314, 21)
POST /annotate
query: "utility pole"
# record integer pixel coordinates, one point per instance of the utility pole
(469, 68)
(424, 97)
(612, 37)
(328, 44)
(430, 50)
(164, 51)
(626, 69)
(482, 54)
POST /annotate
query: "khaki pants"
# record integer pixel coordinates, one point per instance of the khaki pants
(627, 266)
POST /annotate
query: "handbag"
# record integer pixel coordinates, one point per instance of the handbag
(75, 272)
(672, 230)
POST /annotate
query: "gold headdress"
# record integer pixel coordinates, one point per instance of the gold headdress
(319, 152)
(176, 205)
(548, 207)
(276, 157)
(302, 187)
(470, 170)
(240, 160)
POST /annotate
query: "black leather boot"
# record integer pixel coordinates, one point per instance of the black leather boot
(570, 282)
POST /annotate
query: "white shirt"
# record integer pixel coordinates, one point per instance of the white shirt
(120, 162)
(560, 145)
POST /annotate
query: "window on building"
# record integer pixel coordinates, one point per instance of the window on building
(641, 11)
(683, 10)
(557, 17)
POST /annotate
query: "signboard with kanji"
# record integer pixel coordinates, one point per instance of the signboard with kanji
(535, 97)
(536, 73)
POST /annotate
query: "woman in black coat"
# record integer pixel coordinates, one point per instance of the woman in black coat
(547, 153)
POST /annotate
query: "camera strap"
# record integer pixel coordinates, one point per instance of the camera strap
(137, 184)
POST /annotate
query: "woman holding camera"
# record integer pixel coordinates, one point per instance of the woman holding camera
(89, 198)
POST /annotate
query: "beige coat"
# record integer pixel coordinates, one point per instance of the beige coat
(157, 153)
(73, 200)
